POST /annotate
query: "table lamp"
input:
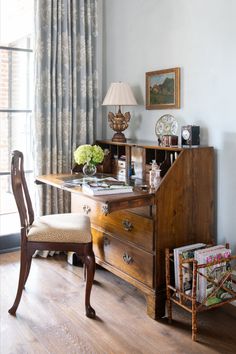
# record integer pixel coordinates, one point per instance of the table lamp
(119, 94)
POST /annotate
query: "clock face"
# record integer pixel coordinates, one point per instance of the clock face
(186, 134)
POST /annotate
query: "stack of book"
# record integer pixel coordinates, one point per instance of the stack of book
(99, 186)
(212, 275)
(106, 187)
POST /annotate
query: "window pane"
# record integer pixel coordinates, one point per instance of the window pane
(16, 134)
(9, 217)
(9, 222)
(16, 74)
(16, 22)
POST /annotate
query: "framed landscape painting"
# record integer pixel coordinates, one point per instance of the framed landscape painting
(163, 89)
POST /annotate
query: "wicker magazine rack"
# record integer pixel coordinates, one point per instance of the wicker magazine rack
(189, 301)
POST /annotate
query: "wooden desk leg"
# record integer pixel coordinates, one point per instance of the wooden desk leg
(156, 305)
(194, 303)
(168, 293)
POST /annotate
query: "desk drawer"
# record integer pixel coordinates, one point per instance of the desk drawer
(126, 225)
(121, 172)
(121, 164)
(119, 167)
(130, 260)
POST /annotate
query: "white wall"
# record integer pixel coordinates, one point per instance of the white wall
(199, 36)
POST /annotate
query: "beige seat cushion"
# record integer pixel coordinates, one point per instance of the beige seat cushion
(72, 227)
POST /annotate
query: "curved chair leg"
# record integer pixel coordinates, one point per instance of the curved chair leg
(28, 265)
(84, 272)
(23, 263)
(89, 260)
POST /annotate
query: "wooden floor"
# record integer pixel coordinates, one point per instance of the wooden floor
(50, 317)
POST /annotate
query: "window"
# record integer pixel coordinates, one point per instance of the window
(16, 87)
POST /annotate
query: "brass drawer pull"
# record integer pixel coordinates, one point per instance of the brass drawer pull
(86, 209)
(105, 209)
(127, 259)
(128, 226)
(106, 241)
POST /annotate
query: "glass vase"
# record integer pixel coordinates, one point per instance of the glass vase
(89, 169)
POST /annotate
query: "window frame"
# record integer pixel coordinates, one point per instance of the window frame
(12, 241)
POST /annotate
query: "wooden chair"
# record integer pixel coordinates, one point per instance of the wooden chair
(59, 232)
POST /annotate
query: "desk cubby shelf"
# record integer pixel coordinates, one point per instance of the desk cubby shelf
(189, 302)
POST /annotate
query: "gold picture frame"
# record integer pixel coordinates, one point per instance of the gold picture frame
(163, 89)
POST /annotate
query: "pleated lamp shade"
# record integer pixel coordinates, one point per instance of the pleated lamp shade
(119, 94)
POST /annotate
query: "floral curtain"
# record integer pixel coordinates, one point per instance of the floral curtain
(66, 104)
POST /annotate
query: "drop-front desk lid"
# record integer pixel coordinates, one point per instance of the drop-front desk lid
(110, 202)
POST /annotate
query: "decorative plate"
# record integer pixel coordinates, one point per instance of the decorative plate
(166, 125)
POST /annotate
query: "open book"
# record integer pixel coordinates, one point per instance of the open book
(95, 181)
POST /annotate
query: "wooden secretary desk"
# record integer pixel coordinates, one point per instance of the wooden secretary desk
(131, 230)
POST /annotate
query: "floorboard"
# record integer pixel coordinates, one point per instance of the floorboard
(51, 319)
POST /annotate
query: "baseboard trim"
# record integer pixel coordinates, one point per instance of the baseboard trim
(9, 243)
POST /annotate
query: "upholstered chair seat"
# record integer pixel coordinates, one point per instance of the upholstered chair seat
(74, 228)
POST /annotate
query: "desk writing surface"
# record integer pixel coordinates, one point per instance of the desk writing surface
(113, 202)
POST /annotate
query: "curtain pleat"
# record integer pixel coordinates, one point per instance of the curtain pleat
(66, 104)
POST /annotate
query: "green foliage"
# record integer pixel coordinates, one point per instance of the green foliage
(88, 153)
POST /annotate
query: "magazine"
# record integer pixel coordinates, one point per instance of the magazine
(215, 273)
(198, 255)
(186, 252)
